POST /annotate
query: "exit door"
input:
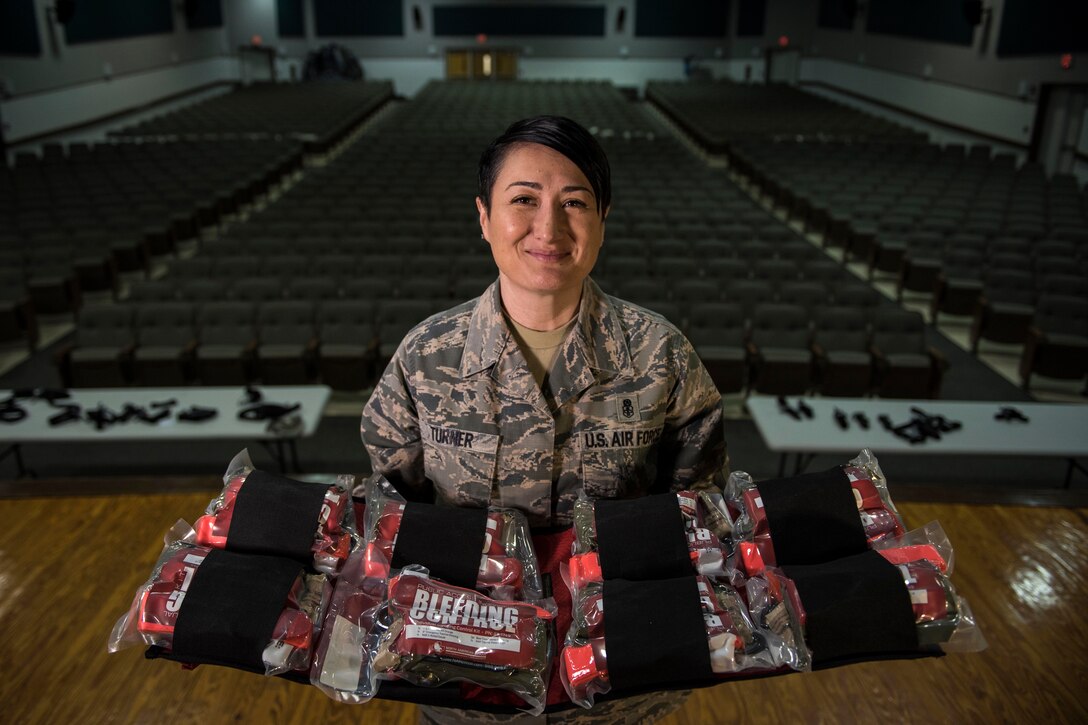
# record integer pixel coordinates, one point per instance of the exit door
(783, 65)
(1059, 118)
(482, 64)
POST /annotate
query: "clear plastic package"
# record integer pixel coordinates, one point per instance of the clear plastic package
(508, 565)
(775, 606)
(751, 530)
(334, 527)
(435, 633)
(375, 632)
(706, 523)
(925, 558)
(735, 642)
(153, 615)
(342, 667)
(929, 542)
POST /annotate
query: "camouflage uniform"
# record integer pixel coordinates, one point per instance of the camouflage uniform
(627, 409)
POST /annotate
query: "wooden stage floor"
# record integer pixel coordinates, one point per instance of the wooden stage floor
(69, 566)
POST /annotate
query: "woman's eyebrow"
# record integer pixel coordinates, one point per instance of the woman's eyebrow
(538, 187)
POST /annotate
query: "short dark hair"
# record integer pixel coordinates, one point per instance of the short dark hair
(560, 134)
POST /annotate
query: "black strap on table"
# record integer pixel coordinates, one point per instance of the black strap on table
(267, 411)
(231, 608)
(813, 517)
(855, 607)
(276, 515)
(447, 541)
(655, 633)
(197, 414)
(642, 538)
(12, 413)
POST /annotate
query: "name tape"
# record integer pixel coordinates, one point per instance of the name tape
(462, 439)
(620, 438)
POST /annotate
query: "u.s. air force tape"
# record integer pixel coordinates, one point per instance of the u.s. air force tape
(276, 515)
(655, 633)
(813, 517)
(642, 538)
(855, 607)
(447, 541)
(231, 608)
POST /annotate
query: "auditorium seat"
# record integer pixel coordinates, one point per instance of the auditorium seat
(99, 357)
(51, 281)
(312, 289)
(18, 323)
(422, 287)
(203, 290)
(905, 366)
(1004, 309)
(287, 342)
(958, 284)
(921, 264)
(750, 294)
(688, 292)
(198, 267)
(165, 342)
(779, 350)
(227, 343)
(1057, 340)
(470, 287)
(394, 319)
(717, 331)
(810, 295)
(347, 344)
(840, 349)
(255, 289)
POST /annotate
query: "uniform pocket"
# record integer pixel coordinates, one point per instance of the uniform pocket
(618, 472)
(461, 464)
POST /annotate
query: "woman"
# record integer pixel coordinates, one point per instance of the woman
(544, 387)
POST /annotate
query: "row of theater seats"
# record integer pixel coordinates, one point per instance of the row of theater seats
(980, 236)
(670, 259)
(226, 343)
(75, 222)
(722, 113)
(320, 113)
(671, 297)
(373, 287)
(789, 349)
(775, 348)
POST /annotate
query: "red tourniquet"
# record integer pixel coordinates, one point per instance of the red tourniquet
(551, 550)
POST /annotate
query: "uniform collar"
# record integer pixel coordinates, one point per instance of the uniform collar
(488, 334)
(596, 344)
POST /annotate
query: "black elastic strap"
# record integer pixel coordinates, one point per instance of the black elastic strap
(655, 633)
(447, 541)
(276, 515)
(197, 414)
(67, 414)
(857, 606)
(12, 413)
(813, 517)
(267, 411)
(231, 608)
(642, 538)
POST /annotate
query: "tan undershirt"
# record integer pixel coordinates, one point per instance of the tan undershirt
(539, 347)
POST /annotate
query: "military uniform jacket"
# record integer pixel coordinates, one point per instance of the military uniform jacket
(627, 409)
